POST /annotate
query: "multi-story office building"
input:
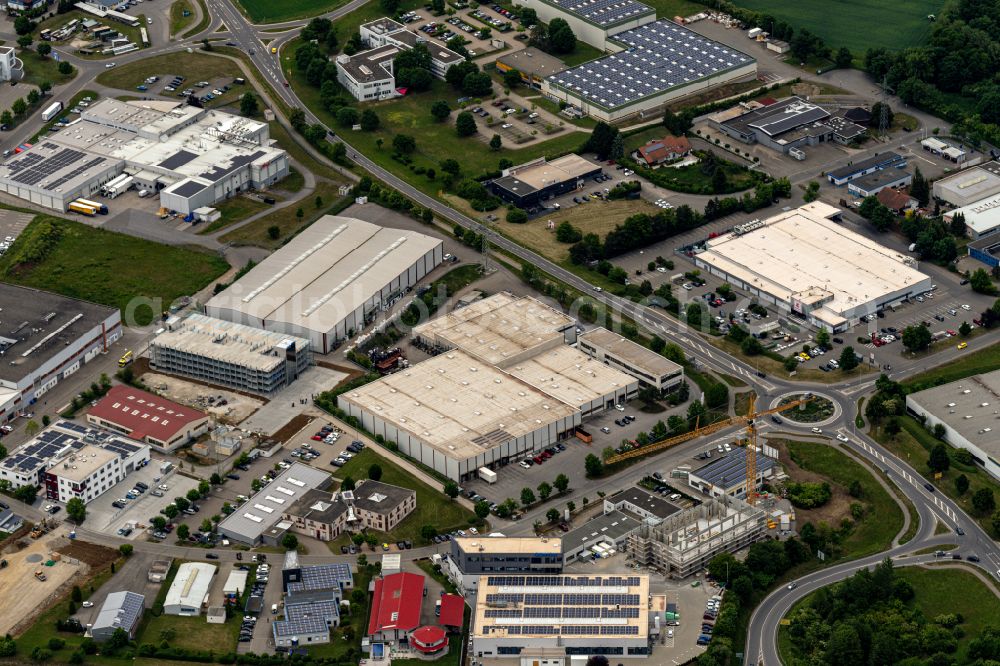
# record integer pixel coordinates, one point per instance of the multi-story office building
(650, 368)
(472, 557)
(227, 354)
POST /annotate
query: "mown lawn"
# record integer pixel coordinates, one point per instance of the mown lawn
(178, 21)
(38, 69)
(286, 219)
(268, 11)
(882, 519)
(433, 506)
(197, 64)
(108, 267)
(980, 361)
(234, 210)
(193, 633)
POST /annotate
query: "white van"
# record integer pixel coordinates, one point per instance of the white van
(274, 609)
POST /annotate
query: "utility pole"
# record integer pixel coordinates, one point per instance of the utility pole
(486, 250)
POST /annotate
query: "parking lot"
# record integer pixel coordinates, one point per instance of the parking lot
(101, 515)
(12, 223)
(440, 29)
(515, 123)
(217, 91)
(594, 190)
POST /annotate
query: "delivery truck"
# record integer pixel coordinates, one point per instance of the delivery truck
(52, 110)
(487, 475)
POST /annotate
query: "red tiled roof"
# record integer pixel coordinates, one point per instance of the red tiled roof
(452, 610)
(768, 101)
(396, 603)
(144, 414)
(429, 639)
(660, 149)
(893, 199)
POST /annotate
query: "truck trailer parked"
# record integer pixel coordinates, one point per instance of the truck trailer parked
(487, 475)
(50, 112)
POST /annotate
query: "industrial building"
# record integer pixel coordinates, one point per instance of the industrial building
(227, 354)
(595, 21)
(259, 519)
(986, 250)
(650, 66)
(11, 67)
(471, 557)
(163, 424)
(330, 281)
(120, 610)
(945, 150)
(608, 529)
(318, 514)
(456, 414)
(297, 578)
(70, 460)
(968, 410)
(532, 64)
(395, 607)
(969, 185)
(312, 598)
(558, 617)
(191, 157)
(528, 185)
(684, 543)
(652, 508)
(46, 339)
(188, 594)
(787, 125)
(369, 75)
(873, 183)
(846, 174)
(501, 330)
(982, 218)
(650, 368)
(804, 263)
(727, 475)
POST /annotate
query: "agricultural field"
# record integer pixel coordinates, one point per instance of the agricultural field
(856, 24)
(79, 261)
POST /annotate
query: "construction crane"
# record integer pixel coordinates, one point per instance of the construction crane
(748, 420)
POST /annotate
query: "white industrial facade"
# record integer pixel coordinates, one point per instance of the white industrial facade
(804, 263)
(329, 281)
(968, 410)
(650, 368)
(191, 157)
(594, 21)
(188, 593)
(969, 185)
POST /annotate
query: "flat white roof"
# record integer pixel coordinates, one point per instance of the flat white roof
(969, 406)
(972, 184)
(325, 273)
(459, 405)
(498, 328)
(632, 353)
(224, 341)
(516, 545)
(982, 216)
(802, 253)
(191, 585)
(570, 375)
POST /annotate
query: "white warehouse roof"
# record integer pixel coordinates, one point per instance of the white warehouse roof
(190, 588)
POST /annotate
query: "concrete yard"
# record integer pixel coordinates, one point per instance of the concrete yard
(23, 594)
(295, 398)
(239, 406)
(106, 518)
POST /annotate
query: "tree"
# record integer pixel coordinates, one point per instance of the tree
(812, 191)
(404, 144)
(560, 37)
(215, 479)
(170, 511)
(482, 508)
(126, 548)
(375, 472)
(26, 493)
(892, 428)
(938, 460)
(77, 594)
(193, 495)
(118, 640)
(31, 428)
(527, 497)
(719, 182)
(6, 118)
(544, 490)
(44, 49)
(981, 282)
(983, 501)
(451, 489)
(65, 68)
(23, 25)
(427, 533)
(593, 465)
(843, 58)
(347, 116)
(495, 142)
(455, 76)
(561, 483)
(390, 7)
(961, 484)
(597, 660)
(823, 337)
(601, 138)
(916, 338)
(76, 510)
(465, 124)
(920, 190)
(183, 531)
(274, 232)
(248, 105)
(289, 541)
(182, 503)
(552, 515)
(369, 120)
(516, 215)
(677, 124)
(848, 359)
(158, 522)
(876, 114)
(440, 110)
(477, 84)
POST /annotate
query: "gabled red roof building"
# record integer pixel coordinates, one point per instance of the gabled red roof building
(396, 606)
(895, 200)
(163, 424)
(658, 151)
(452, 611)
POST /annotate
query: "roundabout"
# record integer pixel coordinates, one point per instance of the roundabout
(821, 410)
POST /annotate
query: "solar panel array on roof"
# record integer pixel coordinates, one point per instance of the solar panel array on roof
(322, 577)
(52, 441)
(605, 12)
(791, 118)
(35, 167)
(563, 581)
(307, 618)
(658, 56)
(731, 470)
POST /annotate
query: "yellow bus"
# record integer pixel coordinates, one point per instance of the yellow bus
(125, 359)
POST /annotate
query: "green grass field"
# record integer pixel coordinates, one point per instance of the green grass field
(193, 633)
(882, 519)
(269, 11)
(110, 268)
(199, 64)
(234, 210)
(38, 69)
(178, 21)
(856, 24)
(206, 18)
(433, 506)
(976, 362)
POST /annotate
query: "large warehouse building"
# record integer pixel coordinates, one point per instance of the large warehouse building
(163, 424)
(969, 185)
(188, 594)
(653, 65)
(528, 185)
(46, 338)
(227, 354)
(806, 264)
(545, 619)
(329, 281)
(191, 157)
(968, 410)
(982, 218)
(594, 21)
